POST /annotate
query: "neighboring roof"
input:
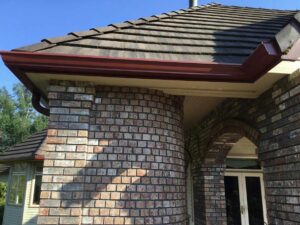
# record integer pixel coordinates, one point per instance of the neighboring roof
(4, 169)
(28, 149)
(214, 32)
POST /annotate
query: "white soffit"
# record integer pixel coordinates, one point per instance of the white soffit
(175, 87)
(187, 88)
(201, 96)
(286, 67)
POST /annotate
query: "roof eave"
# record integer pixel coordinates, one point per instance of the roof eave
(32, 148)
(266, 56)
(13, 158)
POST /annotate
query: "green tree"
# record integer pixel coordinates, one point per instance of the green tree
(3, 189)
(18, 119)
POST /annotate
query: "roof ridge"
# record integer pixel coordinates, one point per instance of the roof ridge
(250, 7)
(72, 36)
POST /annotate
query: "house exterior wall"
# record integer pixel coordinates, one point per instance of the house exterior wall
(115, 156)
(30, 212)
(25, 213)
(276, 116)
(13, 214)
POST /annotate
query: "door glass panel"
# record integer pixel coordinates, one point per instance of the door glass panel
(232, 200)
(255, 208)
(37, 189)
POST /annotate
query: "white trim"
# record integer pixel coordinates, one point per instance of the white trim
(242, 157)
(18, 173)
(263, 196)
(35, 173)
(244, 171)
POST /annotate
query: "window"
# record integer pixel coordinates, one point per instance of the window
(236, 163)
(17, 188)
(37, 186)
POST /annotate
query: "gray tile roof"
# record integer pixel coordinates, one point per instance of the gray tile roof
(211, 32)
(33, 145)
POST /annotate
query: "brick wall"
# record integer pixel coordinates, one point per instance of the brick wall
(209, 197)
(116, 157)
(276, 116)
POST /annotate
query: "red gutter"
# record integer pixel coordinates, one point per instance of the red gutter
(143, 68)
(39, 157)
(265, 57)
(121, 67)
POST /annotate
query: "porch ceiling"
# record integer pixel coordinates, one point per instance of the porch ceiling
(196, 108)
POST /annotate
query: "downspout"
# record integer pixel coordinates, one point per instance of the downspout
(36, 103)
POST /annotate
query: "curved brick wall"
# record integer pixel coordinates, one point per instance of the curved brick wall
(121, 154)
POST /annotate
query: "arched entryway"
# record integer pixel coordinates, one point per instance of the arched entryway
(224, 138)
(244, 186)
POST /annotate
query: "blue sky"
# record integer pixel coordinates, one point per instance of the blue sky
(24, 22)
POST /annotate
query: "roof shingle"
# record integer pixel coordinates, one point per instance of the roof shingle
(27, 149)
(213, 32)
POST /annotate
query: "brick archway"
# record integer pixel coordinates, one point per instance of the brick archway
(224, 136)
(212, 198)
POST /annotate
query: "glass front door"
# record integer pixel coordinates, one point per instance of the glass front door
(245, 203)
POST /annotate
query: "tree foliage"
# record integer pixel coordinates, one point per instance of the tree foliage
(18, 119)
(3, 190)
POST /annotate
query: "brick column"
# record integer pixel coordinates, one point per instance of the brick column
(130, 167)
(64, 174)
(209, 191)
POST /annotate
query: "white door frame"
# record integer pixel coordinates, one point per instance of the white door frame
(242, 174)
